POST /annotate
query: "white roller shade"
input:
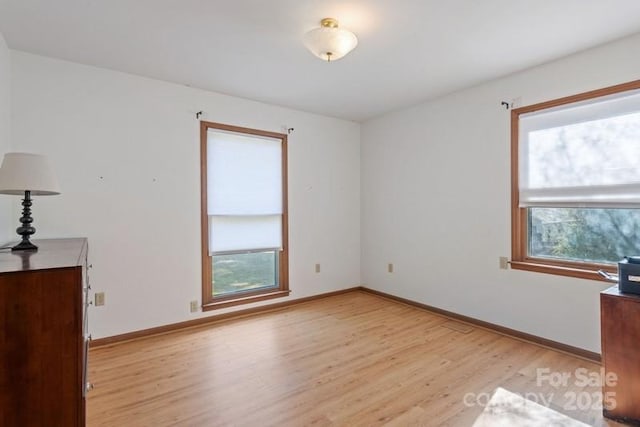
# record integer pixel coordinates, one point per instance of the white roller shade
(244, 192)
(242, 233)
(582, 155)
(244, 174)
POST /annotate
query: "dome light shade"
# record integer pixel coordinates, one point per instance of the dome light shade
(328, 42)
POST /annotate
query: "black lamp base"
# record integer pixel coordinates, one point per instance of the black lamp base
(25, 245)
(26, 230)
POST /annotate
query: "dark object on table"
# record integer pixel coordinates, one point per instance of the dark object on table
(628, 277)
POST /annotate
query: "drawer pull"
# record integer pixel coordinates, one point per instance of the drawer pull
(89, 387)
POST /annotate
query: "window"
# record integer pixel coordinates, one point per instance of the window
(244, 215)
(575, 174)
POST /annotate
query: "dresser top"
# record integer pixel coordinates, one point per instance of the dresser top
(614, 291)
(51, 253)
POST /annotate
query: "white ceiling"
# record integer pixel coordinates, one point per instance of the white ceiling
(409, 50)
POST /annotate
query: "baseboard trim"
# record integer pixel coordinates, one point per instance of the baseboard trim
(159, 330)
(522, 336)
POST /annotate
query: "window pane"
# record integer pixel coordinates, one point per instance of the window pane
(244, 272)
(590, 235)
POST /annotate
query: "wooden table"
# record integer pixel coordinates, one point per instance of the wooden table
(620, 328)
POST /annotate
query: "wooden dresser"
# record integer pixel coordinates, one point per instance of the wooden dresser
(43, 334)
(620, 328)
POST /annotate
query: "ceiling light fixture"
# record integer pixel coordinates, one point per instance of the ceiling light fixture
(330, 42)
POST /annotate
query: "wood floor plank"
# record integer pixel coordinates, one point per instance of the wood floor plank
(350, 359)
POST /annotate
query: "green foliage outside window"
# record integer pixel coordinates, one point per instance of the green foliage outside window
(591, 235)
(233, 273)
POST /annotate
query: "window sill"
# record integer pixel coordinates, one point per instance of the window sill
(245, 299)
(589, 271)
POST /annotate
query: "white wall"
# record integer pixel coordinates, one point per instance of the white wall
(435, 191)
(436, 202)
(6, 225)
(126, 150)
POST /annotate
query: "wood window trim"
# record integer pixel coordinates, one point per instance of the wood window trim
(208, 301)
(519, 257)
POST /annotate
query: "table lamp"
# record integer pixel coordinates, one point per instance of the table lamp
(31, 175)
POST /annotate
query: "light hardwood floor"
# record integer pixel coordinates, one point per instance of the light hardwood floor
(351, 359)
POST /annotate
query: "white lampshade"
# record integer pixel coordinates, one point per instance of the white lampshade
(22, 172)
(329, 42)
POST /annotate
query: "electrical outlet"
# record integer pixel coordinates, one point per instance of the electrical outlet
(317, 268)
(390, 268)
(504, 263)
(193, 306)
(99, 298)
